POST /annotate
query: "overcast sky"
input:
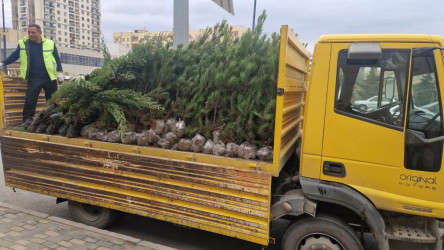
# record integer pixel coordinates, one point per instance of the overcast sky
(309, 18)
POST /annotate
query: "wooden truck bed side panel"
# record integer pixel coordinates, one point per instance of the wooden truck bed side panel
(13, 92)
(225, 200)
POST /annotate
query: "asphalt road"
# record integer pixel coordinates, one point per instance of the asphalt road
(147, 229)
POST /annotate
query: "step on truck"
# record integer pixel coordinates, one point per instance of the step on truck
(358, 148)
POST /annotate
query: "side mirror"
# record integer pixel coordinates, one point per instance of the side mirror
(417, 138)
(364, 53)
(414, 138)
(389, 87)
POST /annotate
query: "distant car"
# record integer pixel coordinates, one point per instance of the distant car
(371, 103)
(430, 109)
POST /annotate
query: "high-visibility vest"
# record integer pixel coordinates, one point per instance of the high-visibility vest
(48, 57)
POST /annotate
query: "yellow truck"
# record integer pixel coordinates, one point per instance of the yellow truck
(358, 148)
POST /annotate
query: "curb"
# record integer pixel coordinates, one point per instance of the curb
(138, 242)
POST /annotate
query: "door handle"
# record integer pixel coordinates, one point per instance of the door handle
(335, 169)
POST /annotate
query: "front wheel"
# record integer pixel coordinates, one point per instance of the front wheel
(91, 215)
(362, 107)
(323, 233)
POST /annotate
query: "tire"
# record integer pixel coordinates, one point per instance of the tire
(323, 232)
(362, 107)
(91, 215)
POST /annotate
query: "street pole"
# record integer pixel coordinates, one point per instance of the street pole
(4, 35)
(254, 14)
(181, 23)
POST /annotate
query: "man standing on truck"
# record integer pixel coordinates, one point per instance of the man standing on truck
(39, 64)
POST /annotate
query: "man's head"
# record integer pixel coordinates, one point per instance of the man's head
(35, 33)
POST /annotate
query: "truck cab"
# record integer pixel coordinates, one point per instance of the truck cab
(387, 157)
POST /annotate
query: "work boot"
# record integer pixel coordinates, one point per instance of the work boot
(26, 123)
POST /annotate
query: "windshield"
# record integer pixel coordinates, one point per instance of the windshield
(424, 115)
(425, 111)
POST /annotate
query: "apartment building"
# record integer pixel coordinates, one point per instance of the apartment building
(74, 25)
(131, 39)
(70, 23)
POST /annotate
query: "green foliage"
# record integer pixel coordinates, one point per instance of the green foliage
(105, 51)
(87, 102)
(218, 82)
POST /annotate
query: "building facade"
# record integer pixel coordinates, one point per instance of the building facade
(117, 50)
(72, 24)
(131, 39)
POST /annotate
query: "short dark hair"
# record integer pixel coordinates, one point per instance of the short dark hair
(36, 26)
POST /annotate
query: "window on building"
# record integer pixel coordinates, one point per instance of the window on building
(80, 60)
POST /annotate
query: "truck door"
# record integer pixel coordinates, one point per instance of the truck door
(371, 106)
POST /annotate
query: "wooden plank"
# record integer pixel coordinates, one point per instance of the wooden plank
(225, 200)
(295, 43)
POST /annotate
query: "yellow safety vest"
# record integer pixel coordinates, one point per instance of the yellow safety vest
(48, 57)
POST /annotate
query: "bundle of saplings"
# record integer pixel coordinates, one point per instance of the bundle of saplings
(215, 96)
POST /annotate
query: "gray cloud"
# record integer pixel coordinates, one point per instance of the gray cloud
(310, 19)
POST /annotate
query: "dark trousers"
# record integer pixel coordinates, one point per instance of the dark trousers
(35, 85)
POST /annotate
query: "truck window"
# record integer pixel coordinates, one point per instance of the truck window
(373, 93)
(424, 115)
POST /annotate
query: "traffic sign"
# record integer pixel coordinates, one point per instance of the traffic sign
(226, 4)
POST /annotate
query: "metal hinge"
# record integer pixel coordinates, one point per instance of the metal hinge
(272, 240)
(280, 91)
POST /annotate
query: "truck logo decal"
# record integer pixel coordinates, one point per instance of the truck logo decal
(322, 191)
(418, 181)
(417, 209)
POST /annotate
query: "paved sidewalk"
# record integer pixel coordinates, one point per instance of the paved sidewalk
(22, 229)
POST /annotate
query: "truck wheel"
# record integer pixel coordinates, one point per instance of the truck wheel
(362, 107)
(91, 215)
(323, 232)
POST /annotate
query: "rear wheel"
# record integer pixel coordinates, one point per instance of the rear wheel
(91, 215)
(323, 233)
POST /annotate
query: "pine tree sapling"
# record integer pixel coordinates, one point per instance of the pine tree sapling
(219, 86)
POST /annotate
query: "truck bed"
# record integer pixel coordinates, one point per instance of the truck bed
(227, 200)
(229, 196)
